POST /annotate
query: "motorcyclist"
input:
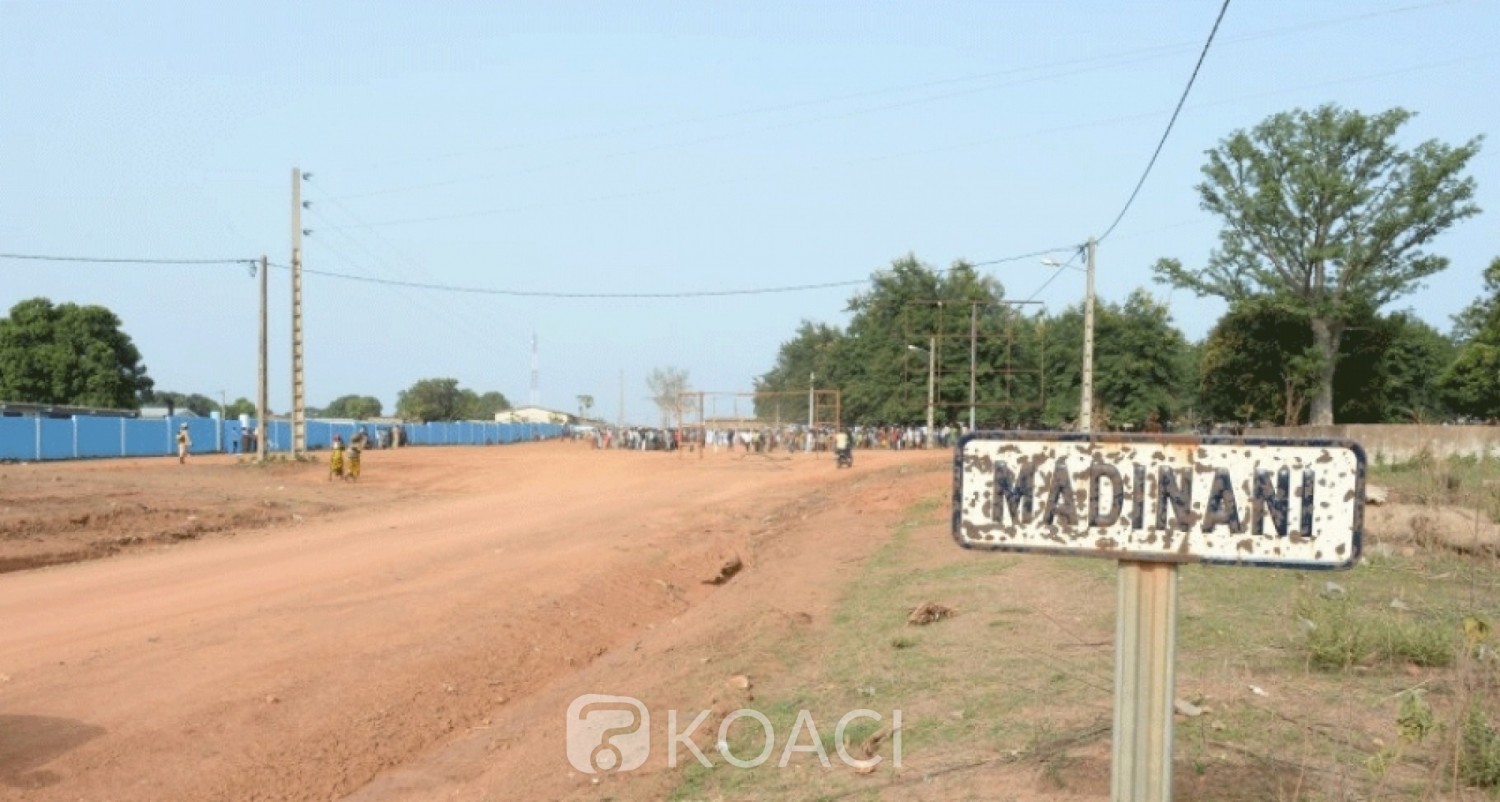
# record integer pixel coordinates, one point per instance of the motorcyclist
(843, 447)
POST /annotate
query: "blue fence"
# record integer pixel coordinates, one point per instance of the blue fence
(85, 436)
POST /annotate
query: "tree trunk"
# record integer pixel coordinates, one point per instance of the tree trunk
(1326, 336)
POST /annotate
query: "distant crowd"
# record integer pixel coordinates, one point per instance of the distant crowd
(764, 440)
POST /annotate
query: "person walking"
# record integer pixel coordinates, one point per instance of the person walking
(357, 444)
(336, 459)
(184, 442)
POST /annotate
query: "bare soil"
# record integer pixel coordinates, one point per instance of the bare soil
(226, 631)
(262, 633)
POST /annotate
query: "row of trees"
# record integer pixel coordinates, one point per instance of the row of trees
(76, 355)
(1325, 222)
(1257, 365)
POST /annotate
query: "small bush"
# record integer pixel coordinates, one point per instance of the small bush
(1479, 755)
(1341, 635)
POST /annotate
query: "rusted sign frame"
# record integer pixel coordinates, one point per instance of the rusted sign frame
(1185, 441)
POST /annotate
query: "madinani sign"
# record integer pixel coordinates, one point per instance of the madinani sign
(1238, 501)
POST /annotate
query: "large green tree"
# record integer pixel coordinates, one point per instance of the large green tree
(444, 399)
(357, 407)
(69, 354)
(1325, 215)
(483, 406)
(431, 400)
(1470, 385)
(1260, 365)
(911, 318)
(1140, 365)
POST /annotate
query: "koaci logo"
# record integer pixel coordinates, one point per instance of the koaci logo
(608, 733)
(611, 734)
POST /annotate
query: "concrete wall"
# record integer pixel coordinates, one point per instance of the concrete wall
(1401, 442)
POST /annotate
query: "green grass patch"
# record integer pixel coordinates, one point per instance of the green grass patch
(1308, 675)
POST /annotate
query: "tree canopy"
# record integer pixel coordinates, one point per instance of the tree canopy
(358, 407)
(1471, 383)
(69, 354)
(444, 399)
(196, 403)
(1324, 216)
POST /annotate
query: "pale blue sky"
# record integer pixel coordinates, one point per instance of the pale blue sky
(652, 147)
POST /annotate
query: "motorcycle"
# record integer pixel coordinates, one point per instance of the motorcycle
(845, 458)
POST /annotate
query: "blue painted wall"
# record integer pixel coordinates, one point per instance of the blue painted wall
(85, 436)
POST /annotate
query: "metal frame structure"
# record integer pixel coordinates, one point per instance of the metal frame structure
(971, 323)
(697, 408)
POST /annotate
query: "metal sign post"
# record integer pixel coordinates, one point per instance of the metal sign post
(1153, 503)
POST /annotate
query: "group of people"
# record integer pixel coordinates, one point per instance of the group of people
(343, 461)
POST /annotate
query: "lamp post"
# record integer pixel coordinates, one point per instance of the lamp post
(1086, 384)
(931, 352)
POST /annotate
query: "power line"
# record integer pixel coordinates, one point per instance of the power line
(423, 285)
(988, 140)
(36, 257)
(1159, 145)
(1105, 61)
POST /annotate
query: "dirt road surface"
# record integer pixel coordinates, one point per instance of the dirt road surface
(416, 636)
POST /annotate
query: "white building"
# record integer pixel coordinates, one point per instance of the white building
(529, 414)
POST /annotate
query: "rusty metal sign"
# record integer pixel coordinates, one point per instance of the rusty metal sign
(1225, 500)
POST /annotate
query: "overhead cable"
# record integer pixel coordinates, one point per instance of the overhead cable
(38, 257)
(1168, 132)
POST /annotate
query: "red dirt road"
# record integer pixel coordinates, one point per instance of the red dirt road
(304, 660)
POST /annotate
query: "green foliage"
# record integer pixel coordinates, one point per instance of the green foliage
(1325, 216)
(477, 406)
(1256, 365)
(881, 360)
(1260, 364)
(1341, 635)
(1471, 383)
(69, 354)
(240, 406)
(1479, 751)
(1140, 362)
(443, 399)
(1403, 357)
(357, 407)
(200, 405)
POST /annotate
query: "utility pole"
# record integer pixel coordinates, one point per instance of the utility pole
(299, 397)
(622, 399)
(261, 379)
(1086, 410)
(973, 356)
(931, 384)
(812, 379)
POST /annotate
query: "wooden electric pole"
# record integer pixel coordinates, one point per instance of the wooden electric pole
(299, 398)
(261, 378)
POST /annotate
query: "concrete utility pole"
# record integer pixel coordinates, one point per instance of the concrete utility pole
(812, 379)
(973, 356)
(931, 384)
(261, 378)
(299, 397)
(1086, 410)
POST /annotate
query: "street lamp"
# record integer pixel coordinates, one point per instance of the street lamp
(931, 352)
(1086, 400)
